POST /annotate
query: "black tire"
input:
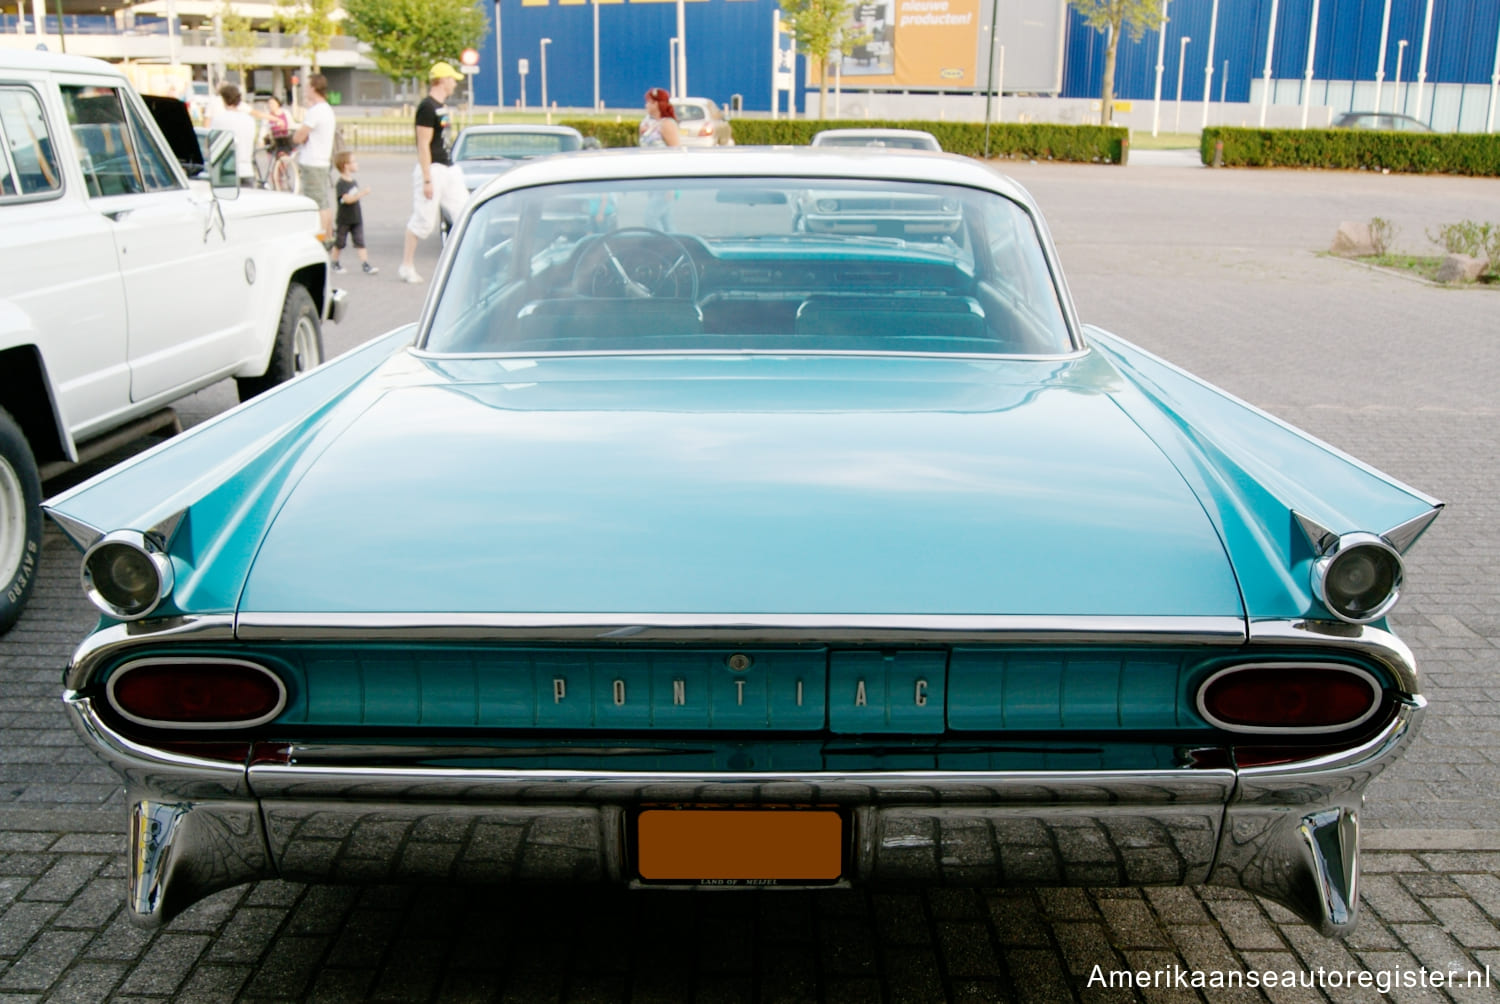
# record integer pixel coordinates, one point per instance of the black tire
(299, 344)
(20, 521)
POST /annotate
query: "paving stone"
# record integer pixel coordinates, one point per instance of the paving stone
(167, 964)
(45, 960)
(87, 983)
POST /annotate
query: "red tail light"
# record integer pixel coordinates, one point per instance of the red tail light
(196, 693)
(707, 130)
(1289, 698)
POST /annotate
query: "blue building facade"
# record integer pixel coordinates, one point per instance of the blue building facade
(729, 45)
(1461, 46)
(728, 51)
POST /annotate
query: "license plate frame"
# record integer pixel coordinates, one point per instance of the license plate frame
(740, 846)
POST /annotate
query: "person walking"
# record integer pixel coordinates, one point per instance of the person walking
(351, 218)
(437, 183)
(314, 140)
(659, 127)
(242, 126)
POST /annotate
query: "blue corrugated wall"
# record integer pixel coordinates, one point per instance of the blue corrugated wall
(729, 48)
(1461, 47)
(729, 52)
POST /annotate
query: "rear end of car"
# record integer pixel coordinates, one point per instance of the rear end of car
(881, 598)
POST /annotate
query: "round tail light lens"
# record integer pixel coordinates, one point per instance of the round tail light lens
(126, 575)
(196, 693)
(1359, 580)
(1289, 698)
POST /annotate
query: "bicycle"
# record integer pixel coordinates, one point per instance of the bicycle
(275, 169)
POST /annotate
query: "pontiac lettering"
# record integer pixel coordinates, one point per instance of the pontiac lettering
(860, 699)
(619, 693)
(559, 689)
(739, 688)
(679, 692)
(921, 694)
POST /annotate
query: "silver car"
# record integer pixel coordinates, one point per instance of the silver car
(889, 139)
(700, 122)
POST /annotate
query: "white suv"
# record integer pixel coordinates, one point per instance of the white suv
(125, 283)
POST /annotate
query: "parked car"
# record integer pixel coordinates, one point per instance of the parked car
(1386, 121)
(125, 283)
(747, 556)
(700, 122)
(889, 139)
(484, 151)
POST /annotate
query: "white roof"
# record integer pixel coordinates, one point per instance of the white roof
(769, 162)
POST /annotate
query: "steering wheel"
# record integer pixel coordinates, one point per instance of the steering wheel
(637, 263)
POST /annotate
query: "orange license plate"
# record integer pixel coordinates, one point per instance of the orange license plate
(691, 845)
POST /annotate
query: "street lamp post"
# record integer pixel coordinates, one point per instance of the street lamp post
(1181, 55)
(1265, 79)
(1161, 35)
(672, 68)
(499, 61)
(1385, 32)
(545, 106)
(1208, 64)
(1307, 75)
(1396, 81)
(1422, 65)
(598, 105)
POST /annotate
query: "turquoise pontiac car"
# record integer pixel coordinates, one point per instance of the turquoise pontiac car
(678, 546)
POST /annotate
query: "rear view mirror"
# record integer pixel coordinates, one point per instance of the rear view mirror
(752, 197)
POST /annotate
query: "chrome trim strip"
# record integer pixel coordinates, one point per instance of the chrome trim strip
(1291, 731)
(161, 772)
(428, 354)
(160, 723)
(1362, 639)
(739, 628)
(109, 642)
(80, 533)
(1404, 536)
(1318, 536)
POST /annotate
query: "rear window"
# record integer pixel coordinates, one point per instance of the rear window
(513, 145)
(28, 163)
(747, 265)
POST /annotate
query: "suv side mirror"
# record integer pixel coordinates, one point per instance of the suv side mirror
(222, 170)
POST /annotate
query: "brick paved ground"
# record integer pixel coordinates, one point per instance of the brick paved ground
(1213, 270)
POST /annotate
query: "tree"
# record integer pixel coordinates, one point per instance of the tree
(821, 27)
(407, 36)
(1115, 17)
(240, 42)
(311, 21)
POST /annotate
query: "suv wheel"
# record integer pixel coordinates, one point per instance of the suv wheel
(20, 521)
(298, 348)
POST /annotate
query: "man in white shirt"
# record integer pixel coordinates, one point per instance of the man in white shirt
(314, 139)
(239, 122)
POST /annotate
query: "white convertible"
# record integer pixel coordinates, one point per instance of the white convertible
(125, 283)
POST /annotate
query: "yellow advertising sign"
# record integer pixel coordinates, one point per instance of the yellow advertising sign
(913, 43)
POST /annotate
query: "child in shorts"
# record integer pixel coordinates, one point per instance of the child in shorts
(349, 222)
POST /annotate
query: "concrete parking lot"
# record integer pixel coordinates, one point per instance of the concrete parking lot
(1215, 270)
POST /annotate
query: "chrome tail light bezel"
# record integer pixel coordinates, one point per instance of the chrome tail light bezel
(1340, 550)
(135, 665)
(155, 554)
(1377, 699)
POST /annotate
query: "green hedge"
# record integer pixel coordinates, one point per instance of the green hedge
(1030, 141)
(1353, 149)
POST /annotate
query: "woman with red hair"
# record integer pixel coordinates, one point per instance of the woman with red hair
(659, 127)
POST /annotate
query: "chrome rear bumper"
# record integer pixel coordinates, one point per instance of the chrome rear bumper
(1288, 833)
